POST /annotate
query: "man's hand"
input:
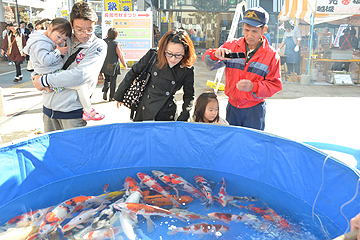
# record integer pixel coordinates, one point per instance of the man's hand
(63, 50)
(36, 82)
(244, 85)
(2, 52)
(220, 53)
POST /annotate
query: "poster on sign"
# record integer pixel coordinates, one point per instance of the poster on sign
(338, 6)
(135, 31)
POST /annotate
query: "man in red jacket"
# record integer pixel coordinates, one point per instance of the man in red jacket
(250, 80)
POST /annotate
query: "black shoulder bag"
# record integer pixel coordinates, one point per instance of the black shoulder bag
(71, 59)
(134, 93)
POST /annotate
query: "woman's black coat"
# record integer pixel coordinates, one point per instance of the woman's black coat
(157, 102)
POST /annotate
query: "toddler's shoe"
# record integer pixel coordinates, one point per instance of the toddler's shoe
(93, 115)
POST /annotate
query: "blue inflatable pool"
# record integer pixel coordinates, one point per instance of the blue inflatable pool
(88, 156)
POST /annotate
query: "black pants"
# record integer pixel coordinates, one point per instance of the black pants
(18, 68)
(110, 82)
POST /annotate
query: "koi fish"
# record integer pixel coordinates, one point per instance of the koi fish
(225, 217)
(150, 182)
(82, 217)
(131, 186)
(201, 229)
(58, 214)
(205, 187)
(146, 210)
(168, 180)
(128, 223)
(17, 233)
(102, 233)
(270, 215)
(25, 219)
(112, 195)
(159, 200)
(188, 187)
(222, 194)
(187, 214)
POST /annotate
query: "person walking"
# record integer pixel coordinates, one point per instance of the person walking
(111, 67)
(13, 44)
(250, 80)
(172, 71)
(4, 33)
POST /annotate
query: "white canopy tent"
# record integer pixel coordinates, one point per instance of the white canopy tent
(323, 10)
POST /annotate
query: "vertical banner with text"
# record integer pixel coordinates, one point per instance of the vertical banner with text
(135, 31)
(112, 5)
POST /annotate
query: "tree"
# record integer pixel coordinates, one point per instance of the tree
(9, 14)
(212, 5)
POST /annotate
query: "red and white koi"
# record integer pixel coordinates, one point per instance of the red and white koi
(168, 180)
(188, 187)
(187, 214)
(101, 233)
(151, 183)
(222, 193)
(225, 217)
(131, 186)
(25, 219)
(205, 187)
(201, 229)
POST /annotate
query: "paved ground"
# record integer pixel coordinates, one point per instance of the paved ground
(318, 112)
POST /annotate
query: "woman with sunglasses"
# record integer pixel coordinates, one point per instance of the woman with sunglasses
(171, 71)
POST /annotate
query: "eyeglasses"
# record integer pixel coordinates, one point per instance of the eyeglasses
(85, 31)
(177, 56)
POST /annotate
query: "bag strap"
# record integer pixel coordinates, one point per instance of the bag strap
(71, 59)
(12, 41)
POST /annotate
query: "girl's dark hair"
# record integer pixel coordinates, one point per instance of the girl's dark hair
(61, 25)
(177, 36)
(112, 33)
(200, 106)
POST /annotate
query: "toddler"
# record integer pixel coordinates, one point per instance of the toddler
(207, 109)
(46, 56)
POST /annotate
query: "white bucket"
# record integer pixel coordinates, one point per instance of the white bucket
(305, 79)
(314, 74)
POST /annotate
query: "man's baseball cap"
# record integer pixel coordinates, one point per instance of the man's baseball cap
(256, 17)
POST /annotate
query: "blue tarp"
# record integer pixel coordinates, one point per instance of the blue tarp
(289, 166)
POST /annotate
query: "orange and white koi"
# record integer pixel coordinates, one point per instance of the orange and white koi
(146, 211)
(160, 200)
(201, 229)
(58, 214)
(205, 187)
(222, 193)
(151, 183)
(25, 219)
(102, 233)
(131, 186)
(188, 187)
(187, 214)
(225, 217)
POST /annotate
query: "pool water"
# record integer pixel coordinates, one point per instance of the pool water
(295, 213)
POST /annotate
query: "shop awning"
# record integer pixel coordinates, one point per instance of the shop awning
(325, 12)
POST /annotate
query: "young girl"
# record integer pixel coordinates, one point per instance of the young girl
(207, 109)
(46, 56)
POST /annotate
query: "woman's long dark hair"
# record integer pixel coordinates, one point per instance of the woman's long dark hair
(177, 36)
